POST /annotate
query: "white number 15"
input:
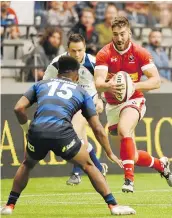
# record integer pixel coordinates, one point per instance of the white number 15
(64, 92)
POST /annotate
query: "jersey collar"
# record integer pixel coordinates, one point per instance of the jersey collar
(122, 52)
(66, 78)
(83, 60)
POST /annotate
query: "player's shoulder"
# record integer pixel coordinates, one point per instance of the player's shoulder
(91, 58)
(139, 50)
(52, 68)
(105, 51)
(57, 58)
(38, 84)
(41, 82)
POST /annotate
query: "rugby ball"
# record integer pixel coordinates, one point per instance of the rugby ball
(124, 78)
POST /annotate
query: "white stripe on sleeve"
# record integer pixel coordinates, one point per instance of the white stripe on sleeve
(101, 67)
(147, 66)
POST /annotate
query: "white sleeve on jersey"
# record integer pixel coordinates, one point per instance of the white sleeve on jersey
(51, 72)
(92, 58)
(86, 74)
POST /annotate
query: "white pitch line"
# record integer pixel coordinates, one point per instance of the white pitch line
(58, 194)
(150, 205)
(88, 203)
(86, 193)
(90, 193)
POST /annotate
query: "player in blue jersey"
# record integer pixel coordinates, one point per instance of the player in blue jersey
(76, 49)
(51, 129)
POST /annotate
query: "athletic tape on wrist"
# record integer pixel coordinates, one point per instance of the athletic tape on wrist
(90, 147)
(25, 127)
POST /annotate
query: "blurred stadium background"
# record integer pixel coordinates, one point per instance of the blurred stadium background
(26, 50)
(26, 47)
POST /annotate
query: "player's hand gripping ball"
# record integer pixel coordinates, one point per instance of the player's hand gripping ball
(128, 90)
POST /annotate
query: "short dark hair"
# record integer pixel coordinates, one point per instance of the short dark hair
(120, 22)
(67, 64)
(111, 5)
(75, 37)
(90, 10)
(155, 30)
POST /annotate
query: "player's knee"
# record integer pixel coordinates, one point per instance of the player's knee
(124, 132)
(87, 166)
(29, 163)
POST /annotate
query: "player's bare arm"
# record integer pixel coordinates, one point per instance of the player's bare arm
(102, 138)
(153, 81)
(20, 111)
(99, 106)
(98, 103)
(103, 86)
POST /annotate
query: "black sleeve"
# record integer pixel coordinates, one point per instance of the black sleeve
(31, 94)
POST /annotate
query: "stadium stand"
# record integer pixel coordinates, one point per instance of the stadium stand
(15, 50)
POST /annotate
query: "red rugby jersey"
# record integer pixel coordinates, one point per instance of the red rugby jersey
(133, 60)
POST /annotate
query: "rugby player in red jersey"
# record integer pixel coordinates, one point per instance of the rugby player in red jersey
(124, 55)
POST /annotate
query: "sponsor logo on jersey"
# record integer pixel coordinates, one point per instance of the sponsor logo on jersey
(67, 147)
(31, 147)
(134, 76)
(84, 86)
(136, 103)
(113, 59)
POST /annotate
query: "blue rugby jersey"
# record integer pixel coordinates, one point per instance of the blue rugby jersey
(57, 101)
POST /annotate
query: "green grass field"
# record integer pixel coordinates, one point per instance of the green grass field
(50, 197)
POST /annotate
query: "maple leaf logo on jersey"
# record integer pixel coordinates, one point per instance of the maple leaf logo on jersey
(131, 58)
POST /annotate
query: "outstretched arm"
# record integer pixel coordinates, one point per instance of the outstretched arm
(89, 112)
(102, 138)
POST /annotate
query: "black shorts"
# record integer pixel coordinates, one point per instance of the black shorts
(66, 148)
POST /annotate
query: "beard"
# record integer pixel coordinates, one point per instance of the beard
(121, 46)
(49, 48)
(3, 9)
(155, 45)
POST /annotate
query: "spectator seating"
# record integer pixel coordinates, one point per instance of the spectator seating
(10, 69)
(13, 65)
(13, 48)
